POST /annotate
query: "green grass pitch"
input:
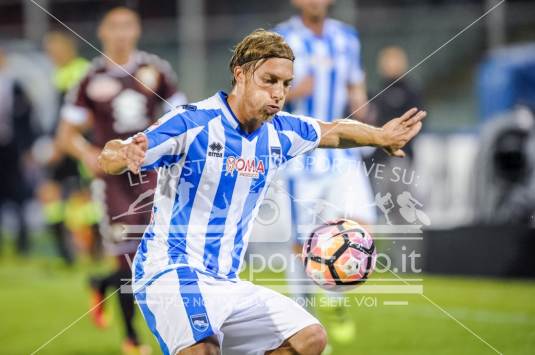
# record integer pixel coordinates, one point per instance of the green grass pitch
(39, 298)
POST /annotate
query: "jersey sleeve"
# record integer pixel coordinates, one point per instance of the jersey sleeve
(299, 134)
(356, 72)
(77, 106)
(166, 140)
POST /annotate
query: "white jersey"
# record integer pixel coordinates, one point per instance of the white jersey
(333, 61)
(212, 178)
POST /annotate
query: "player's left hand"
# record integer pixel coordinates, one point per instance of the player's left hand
(399, 131)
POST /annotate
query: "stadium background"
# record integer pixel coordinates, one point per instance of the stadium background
(40, 296)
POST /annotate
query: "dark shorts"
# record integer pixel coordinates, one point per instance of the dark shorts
(13, 185)
(127, 204)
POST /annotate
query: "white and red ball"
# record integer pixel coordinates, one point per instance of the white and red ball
(339, 255)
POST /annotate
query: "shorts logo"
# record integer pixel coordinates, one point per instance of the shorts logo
(245, 167)
(215, 150)
(199, 322)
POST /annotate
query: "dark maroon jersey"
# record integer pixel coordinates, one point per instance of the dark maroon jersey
(122, 101)
(118, 102)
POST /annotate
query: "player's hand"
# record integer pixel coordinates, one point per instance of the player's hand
(134, 152)
(399, 131)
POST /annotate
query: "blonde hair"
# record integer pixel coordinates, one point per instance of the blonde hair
(257, 47)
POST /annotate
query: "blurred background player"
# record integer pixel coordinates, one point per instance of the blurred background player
(121, 94)
(16, 138)
(329, 80)
(392, 63)
(62, 194)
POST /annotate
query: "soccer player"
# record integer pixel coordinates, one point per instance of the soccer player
(63, 176)
(120, 95)
(216, 159)
(325, 184)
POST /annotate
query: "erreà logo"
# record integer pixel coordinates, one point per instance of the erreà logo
(215, 150)
(245, 167)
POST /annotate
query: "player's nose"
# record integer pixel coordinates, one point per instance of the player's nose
(278, 92)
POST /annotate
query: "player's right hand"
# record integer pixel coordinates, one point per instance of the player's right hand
(135, 152)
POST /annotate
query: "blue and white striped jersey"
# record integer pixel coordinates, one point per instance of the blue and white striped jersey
(212, 177)
(333, 61)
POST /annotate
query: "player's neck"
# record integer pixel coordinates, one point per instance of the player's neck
(120, 58)
(315, 24)
(247, 123)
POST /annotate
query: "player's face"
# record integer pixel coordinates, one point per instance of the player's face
(59, 51)
(266, 87)
(392, 62)
(313, 8)
(119, 31)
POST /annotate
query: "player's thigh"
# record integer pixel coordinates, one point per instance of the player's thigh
(262, 321)
(174, 308)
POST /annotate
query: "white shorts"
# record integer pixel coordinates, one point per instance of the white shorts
(183, 306)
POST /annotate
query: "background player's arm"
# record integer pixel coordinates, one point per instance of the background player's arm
(356, 87)
(391, 137)
(302, 89)
(357, 101)
(118, 155)
(71, 141)
(77, 118)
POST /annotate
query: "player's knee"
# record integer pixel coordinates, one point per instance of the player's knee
(319, 339)
(208, 346)
(313, 340)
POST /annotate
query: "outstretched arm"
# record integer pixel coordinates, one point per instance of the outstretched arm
(119, 156)
(391, 137)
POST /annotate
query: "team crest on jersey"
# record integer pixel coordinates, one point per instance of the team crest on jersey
(148, 75)
(103, 88)
(276, 155)
(250, 167)
(200, 322)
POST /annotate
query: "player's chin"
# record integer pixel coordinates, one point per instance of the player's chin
(266, 116)
(269, 113)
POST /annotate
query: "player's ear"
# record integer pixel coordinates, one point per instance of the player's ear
(239, 74)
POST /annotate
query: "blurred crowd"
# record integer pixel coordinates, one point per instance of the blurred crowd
(33, 166)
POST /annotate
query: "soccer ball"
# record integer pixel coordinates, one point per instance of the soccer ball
(339, 255)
